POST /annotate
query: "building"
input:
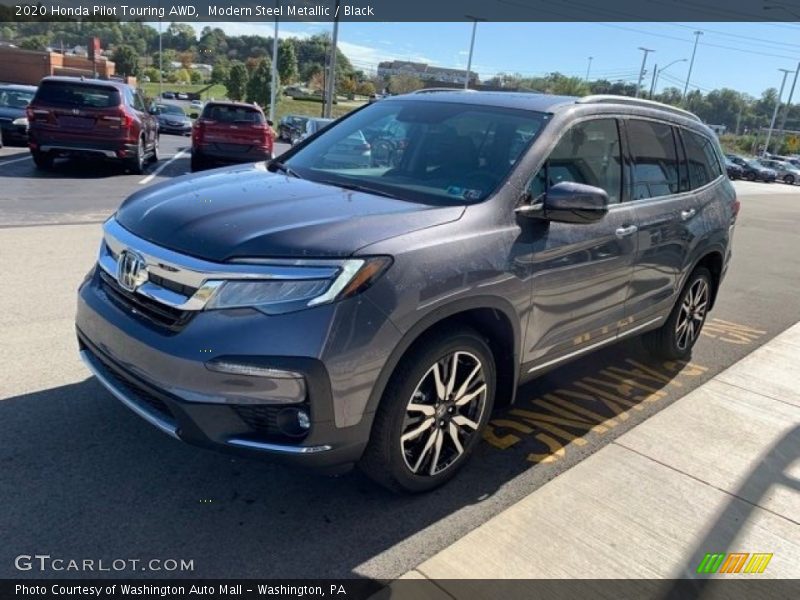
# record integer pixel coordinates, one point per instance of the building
(30, 66)
(426, 72)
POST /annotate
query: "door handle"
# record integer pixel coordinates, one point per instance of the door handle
(688, 214)
(622, 232)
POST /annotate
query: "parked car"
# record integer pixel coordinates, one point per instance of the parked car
(183, 96)
(312, 126)
(196, 104)
(291, 127)
(94, 118)
(337, 316)
(785, 171)
(168, 95)
(171, 119)
(14, 99)
(752, 170)
(231, 132)
(734, 171)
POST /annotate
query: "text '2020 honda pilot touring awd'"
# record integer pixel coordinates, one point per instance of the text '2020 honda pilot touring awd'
(374, 314)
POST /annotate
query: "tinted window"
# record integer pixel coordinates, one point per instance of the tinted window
(588, 153)
(421, 150)
(655, 159)
(63, 93)
(702, 159)
(224, 113)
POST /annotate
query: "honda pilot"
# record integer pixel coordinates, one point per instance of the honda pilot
(91, 118)
(374, 314)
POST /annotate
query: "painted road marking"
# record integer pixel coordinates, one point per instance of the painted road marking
(8, 162)
(163, 166)
(599, 401)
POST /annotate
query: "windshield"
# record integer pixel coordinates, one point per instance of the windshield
(168, 109)
(11, 98)
(419, 150)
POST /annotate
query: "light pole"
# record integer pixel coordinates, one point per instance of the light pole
(160, 59)
(657, 72)
(471, 47)
(775, 112)
(641, 71)
(273, 88)
(331, 81)
(697, 35)
(589, 68)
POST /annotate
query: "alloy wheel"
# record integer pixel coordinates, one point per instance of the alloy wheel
(443, 414)
(692, 314)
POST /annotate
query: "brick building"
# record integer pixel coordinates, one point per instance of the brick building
(29, 66)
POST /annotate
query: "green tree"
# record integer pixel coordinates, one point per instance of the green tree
(220, 72)
(365, 88)
(403, 84)
(196, 77)
(152, 73)
(126, 60)
(35, 42)
(287, 62)
(258, 88)
(237, 81)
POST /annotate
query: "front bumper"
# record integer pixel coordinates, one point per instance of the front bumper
(162, 375)
(14, 134)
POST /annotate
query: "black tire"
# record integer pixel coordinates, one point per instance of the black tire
(789, 179)
(42, 160)
(135, 164)
(386, 458)
(667, 342)
(197, 162)
(750, 176)
(154, 155)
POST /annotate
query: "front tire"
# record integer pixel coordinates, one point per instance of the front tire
(432, 413)
(42, 160)
(677, 336)
(789, 179)
(197, 162)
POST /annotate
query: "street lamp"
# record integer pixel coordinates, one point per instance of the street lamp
(657, 72)
(589, 68)
(471, 47)
(641, 71)
(775, 112)
(273, 88)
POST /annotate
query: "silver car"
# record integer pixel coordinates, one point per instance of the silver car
(787, 172)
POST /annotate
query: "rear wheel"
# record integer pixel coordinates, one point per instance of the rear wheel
(197, 162)
(789, 179)
(750, 176)
(432, 413)
(42, 160)
(677, 336)
(154, 155)
(136, 162)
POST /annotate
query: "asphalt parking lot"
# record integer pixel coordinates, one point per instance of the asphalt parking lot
(85, 478)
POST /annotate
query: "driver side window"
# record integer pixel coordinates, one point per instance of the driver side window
(588, 153)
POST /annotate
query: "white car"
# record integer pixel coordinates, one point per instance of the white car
(196, 104)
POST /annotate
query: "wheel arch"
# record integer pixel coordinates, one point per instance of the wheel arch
(712, 259)
(494, 318)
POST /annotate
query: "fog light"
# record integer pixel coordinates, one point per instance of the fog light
(303, 419)
(293, 422)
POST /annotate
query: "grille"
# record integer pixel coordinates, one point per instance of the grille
(150, 310)
(179, 288)
(138, 393)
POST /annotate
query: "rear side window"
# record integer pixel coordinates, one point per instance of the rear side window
(655, 159)
(223, 113)
(78, 95)
(702, 159)
(588, 153)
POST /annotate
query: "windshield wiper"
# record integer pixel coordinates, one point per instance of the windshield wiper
(356, 187)
(276, 165)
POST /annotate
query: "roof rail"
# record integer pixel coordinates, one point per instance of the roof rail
(612, 99)
(434, 90)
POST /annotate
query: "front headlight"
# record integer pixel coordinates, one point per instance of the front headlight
(20, 122)
(276, 295)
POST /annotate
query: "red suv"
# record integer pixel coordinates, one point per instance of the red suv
(231, 132)
(72, 116)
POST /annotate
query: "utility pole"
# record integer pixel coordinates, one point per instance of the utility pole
(653, 81)
(589, 68)
(160, 61)
(657, 72)
(471, 47)
(331, 80)
(739, 117)
(788, 106)
(697, 35)
(775, 112)
(273, 88)
(641, 71)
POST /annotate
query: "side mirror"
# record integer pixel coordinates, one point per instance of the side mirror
(193, 115)
(270, 123)
(570, 202)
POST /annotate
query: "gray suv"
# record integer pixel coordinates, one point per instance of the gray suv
(373, 314)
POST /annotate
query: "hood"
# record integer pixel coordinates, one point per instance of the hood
(11, 113)
(246, 211)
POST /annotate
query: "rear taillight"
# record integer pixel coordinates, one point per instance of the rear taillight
(199, 130)
(37, 114)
